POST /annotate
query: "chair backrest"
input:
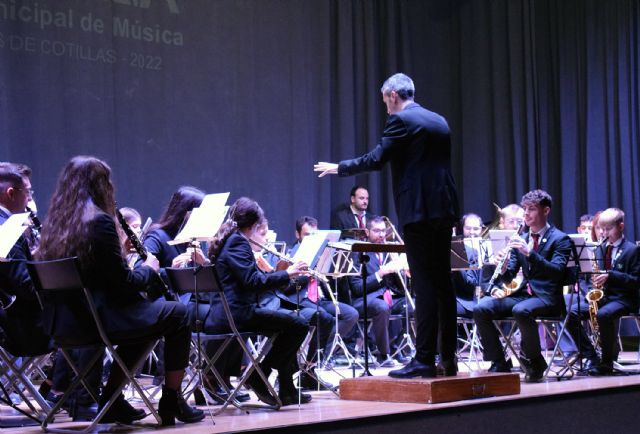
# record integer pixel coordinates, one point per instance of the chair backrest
(184, 280)
(69, 315)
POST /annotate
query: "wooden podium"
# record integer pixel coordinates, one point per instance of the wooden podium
(430, 390)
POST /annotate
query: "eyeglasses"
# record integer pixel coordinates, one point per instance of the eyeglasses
(28, 190)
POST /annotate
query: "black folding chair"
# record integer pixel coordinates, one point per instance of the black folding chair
(60, 288)
(17, 376)
(203, 280)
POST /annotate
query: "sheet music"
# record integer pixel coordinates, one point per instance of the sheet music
(216, 200)
(500, 238)
(204, 221)
(311, 246)
(586, 251)
(10, 231)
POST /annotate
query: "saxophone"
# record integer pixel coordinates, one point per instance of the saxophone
(594, 295)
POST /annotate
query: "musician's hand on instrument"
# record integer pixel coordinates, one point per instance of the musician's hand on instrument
(498, 293)
(180, 261)
(196, 254)
(599, 279)
(297, 269)
(325, 168)
(518, 243)
(152, 262)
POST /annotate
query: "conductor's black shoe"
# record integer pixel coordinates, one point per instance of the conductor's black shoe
(448, 368)
(260, 389)
(501, 366)
(413, 369)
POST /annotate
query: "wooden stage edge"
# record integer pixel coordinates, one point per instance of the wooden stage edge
(582, 404)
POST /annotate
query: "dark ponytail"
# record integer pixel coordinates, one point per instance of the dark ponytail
(243, 214)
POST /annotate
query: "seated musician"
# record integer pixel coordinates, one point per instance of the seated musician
(619, 258)
(243, 283)
(21, 329)
(313, 295)
(276, 299)
(542, 255)
(465, 281)
(80, 223)
(355, 214)
(385, 295)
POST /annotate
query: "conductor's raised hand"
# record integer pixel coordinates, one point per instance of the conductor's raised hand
(325, 168)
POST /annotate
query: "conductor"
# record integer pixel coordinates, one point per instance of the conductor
(416, 143)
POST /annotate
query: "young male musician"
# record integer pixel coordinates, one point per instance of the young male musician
(619, 258)
(314, 294)
(542, 255)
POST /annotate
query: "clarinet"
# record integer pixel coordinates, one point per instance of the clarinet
(142, 251)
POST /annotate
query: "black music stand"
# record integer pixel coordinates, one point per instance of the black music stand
(583, 266)
(363, 248)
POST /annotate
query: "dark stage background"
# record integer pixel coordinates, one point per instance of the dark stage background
(245, 95)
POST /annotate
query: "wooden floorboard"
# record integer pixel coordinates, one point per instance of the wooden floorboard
(327, 408)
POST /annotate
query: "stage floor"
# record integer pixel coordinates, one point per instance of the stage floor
(327, 409)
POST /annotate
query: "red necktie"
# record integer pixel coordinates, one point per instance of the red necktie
(536, 239)
(386, 295)
(360, 221)
(607, 257)
(312, 290)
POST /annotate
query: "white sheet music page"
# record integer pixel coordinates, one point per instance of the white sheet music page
(10, 231)
(309, 247)
(204, 221)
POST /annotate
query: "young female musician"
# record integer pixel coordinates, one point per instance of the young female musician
(242, 283)
(80, 223)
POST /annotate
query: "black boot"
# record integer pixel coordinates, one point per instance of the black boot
(173, 406)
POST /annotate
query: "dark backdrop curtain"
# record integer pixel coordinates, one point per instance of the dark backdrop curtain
(538, 94)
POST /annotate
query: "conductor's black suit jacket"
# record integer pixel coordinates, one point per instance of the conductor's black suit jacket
(416, 142)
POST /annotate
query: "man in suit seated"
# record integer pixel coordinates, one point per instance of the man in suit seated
(542, 255)
(385, 295)
(465, 281)
(313, 296)
(619, 259)
(355, 214)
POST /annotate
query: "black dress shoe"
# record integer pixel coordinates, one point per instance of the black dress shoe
(218, 396)
(590, 363)
(415, 369)
(601, 369)
(292, 398)
(535, 371)
(307, 382)
(121, 411)
(501, 366)
(260, 389)
(447, 368)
